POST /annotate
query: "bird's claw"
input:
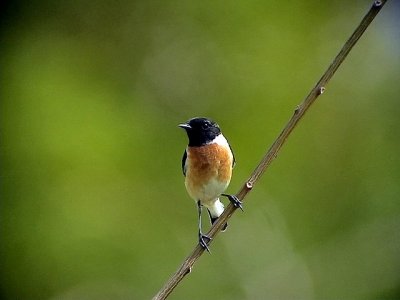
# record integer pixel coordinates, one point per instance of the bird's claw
(234, 200)
(203, 241)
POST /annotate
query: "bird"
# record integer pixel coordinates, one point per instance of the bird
(207, 165)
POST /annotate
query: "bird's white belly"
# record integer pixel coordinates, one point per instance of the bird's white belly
(208, 193)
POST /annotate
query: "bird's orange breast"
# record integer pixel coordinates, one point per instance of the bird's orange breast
(208, 162)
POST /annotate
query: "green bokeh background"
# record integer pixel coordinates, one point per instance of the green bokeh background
(93, 204)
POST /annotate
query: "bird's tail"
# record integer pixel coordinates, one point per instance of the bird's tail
(215, 211)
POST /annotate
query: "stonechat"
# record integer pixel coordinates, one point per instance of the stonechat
(207, 165)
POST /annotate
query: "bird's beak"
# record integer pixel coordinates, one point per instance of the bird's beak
(185, 126)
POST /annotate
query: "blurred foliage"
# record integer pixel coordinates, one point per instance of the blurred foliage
(93, 204)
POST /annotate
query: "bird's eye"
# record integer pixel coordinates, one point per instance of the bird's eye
(205, 125)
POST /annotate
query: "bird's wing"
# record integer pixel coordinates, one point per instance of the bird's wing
(233, 154)
(184, 157)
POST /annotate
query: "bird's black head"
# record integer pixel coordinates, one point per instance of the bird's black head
(200, 131)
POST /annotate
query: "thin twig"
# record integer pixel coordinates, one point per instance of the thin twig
(271, 154)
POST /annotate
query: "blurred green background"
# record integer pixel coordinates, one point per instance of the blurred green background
(93, 204)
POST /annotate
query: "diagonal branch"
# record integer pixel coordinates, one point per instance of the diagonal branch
(271, 154)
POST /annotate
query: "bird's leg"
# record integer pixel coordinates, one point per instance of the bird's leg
(203, 239)
(234, 200)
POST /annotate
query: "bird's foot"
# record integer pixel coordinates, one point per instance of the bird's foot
(203, 241)
(234, 200)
